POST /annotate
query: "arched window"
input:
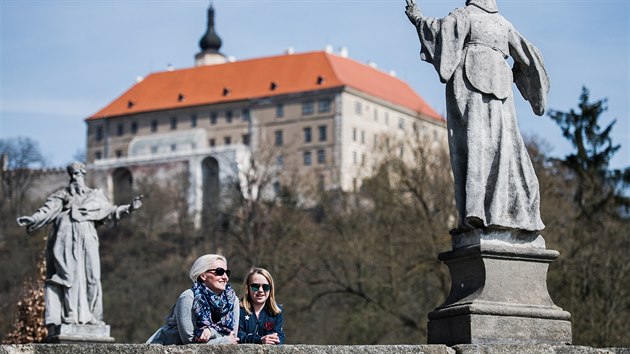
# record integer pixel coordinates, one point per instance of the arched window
(123, 191)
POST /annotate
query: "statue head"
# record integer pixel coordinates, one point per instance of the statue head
(76, 171)
(487, 5)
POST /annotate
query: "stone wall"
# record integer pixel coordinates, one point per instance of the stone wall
(298, 349)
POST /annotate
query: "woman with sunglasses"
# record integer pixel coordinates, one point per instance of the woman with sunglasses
(208, 312)
(261, 317)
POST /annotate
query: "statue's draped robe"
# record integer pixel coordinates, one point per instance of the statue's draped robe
(495, 183)
(73, 281)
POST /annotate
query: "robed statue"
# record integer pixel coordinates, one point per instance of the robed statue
(73, 293)
(495, 183)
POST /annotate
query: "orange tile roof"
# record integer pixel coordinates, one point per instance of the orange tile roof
(250, 79)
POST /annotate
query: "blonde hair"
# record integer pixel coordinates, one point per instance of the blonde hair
(204, 263)
(270, 304)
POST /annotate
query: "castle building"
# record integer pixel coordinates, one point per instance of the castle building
(317, 115)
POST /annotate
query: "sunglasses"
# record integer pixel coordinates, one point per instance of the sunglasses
(255, 287)
(219, 271)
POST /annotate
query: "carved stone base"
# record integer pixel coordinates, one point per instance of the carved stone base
(78, 333)
(499, 296)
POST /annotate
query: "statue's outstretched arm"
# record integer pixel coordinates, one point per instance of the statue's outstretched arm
(413, 12)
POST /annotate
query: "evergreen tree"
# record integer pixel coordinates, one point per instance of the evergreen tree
(598, 187)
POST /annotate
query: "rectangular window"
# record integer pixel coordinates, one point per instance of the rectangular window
(227, 140)
(322, 180)
(321, 157)
(154, 150)
(246, 139)
(98, 155)
(386, 118)
(307, 135)
(307, 108)
(278, 137)
(279, 110)
(120, 129)
(228, 117)
(323, 106)
(363, 159)
(212, 143)
(134, 128)
(99, 133)
(119, 154)
(173, 123)
(154, 125)
(354, 134)
(276, 188)
(246, 115)
(322, 133)
(193, 120)
(375, 115)
(401, 123)
(173, 147)
(362, 136)
(280, 161)
(308, 159)
(358, 108)
(354, 157)
(213, 118)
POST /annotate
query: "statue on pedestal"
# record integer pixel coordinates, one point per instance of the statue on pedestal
(73, 293)
(499, 261)
(495, 183)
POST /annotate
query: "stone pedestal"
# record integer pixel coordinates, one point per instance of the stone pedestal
(78, 333)
(499, 293)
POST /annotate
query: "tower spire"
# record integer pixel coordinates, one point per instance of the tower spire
(210, 43)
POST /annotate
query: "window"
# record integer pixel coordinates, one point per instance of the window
(363, 137)
(386, 118)
(173, 123)
(308, 159)
(401, 123)
(278, 137)
(279, 110)
(120, 129)
(363, 159)
(227, 140)
(212, 142)
(280, 161)
(246, 139)
(134, 128)
(357, 107)
(213, 118)
(119, 154)
(246, 115)
(307, 135)
(375, 115)
(354, 157)
(321, 182)
(375, 140)
(99, 133)
(321, 157)
(401, 151)
(307, 108)
(98, 155)
(154, 125)
(173, 147)
(154, 149)
(193, 120)
(354, 134)
(323, 105)
(322, 133)
(228, 116)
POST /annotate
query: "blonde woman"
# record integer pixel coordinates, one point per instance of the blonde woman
(208, 312)
(261, 317)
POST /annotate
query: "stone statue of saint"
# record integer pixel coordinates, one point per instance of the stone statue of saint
(495, 184)
(73, 293)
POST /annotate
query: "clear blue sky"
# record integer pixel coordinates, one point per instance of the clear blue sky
(63, 60)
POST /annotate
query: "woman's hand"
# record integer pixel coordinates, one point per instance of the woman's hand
(205, 336)
(270, 339)
(232, 338)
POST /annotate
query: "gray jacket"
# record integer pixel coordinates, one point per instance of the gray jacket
(179, 327)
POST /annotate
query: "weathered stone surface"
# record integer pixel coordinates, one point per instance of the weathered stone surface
(499, 296)
(222, 349)
(76, 333)
(535, 349)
